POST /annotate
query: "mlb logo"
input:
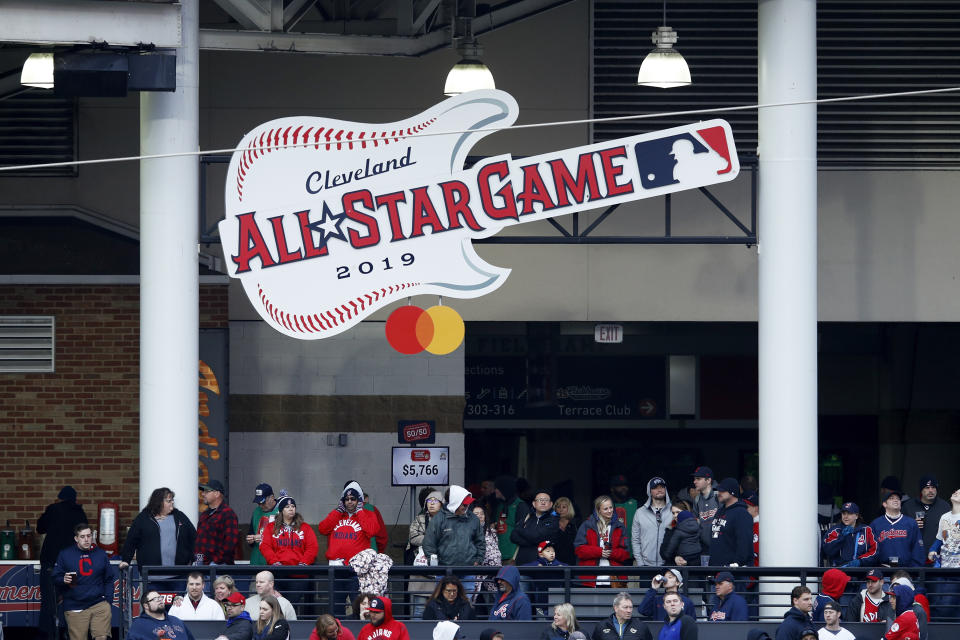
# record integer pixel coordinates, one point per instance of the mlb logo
(693, 157)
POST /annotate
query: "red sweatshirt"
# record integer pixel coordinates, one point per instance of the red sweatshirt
(289, 547)
(389, 629)
(347, 534)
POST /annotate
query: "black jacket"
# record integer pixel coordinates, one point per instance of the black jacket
(281, 631)
(239, 628)
(531, 532)
(682, 540)
(58, 521)
(607, 630)
(794, 622)
(440, 609)
(732, 536)
(563, 541)
(144, 539)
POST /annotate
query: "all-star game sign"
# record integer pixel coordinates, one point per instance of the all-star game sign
(328, 221)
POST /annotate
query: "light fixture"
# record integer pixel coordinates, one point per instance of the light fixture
(38, 71)
(470, 73)
(664, 67)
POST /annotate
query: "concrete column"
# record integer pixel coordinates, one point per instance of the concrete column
(787, 70)
(169, 281)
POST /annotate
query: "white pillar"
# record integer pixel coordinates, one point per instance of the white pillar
(787, 71)
(169, 281)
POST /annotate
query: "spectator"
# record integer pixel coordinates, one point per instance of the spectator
(420, 589)
(455, 535)
(491, 547)
(538, 525)
(905, 627)
(217, 528)
(808, 634)
(564, 623)
(681, 542)
(752, 500)
(266, 508)
(490, 634)
(621, 623)
(448, 602)
(726, 605)
(797, 618)
(899, 542)
(84, 577)
(833, 630)
(567, 525)
(380, 539)
(488, 489)
(850, 544)
(270, 623)
(678, 625)
(705, 505)
(196, 605)
(289, 542)
(902, 600)
(903, 577)
(382, 623)
(223, 586)
(360, 606)
(513, 604)
(927, 508)
(945, 551)
(510, 511)
(870, 604)
(239, 623)
(832, 586)
(623, 504)
(57, 522)
(329, 628)
(154, 623)
(649, 524)
(732, 542)
(160, 535)
(543, 580)
(892, 483)
(652, 604)
(348, 528)
(601, 542)
(264, 584)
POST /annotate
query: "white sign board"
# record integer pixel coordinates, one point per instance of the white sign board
(328, 221)
(608, 333)
(421, 466)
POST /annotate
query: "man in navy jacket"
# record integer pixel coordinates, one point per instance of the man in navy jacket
(84, 577)
(732, 529)
(726, 606)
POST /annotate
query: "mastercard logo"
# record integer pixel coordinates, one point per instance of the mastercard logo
(437, 330)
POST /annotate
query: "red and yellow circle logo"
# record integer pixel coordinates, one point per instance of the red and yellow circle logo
(437, 330)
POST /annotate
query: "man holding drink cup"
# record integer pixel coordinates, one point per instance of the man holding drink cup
(927, 508)
(84, 576)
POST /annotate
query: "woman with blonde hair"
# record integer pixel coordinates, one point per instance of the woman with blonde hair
(564, 623)
(271, 625)
(223, 586)
(567, 533)
(602, 542)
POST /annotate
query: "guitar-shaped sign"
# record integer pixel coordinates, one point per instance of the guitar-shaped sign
(328, 221)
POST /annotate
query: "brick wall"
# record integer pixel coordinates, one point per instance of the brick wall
(79, 425)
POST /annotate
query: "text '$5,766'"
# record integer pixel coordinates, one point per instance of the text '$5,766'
(420, 470)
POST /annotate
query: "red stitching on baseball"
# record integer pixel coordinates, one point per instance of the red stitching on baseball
(305, 324)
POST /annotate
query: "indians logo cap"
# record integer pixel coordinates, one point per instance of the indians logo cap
(236, 598)
(376, 604)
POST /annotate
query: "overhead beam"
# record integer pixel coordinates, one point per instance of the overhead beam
(294, 11)
(127, 24)
(425, 12)
(251, 14)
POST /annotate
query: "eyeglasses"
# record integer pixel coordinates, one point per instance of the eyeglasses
(542, 500)
(453, 590)
(154, 598)
(349, 499)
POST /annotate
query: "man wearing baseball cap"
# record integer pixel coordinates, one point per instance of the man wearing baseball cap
(263, 514)
(849, 544)
(217, 528)
(382, 624)
(899, 543)
(732, 529)
(239, 625)
(869, 604)
(832, 629)
(706, 504)
(927, 508)
(650, 523)
(726, 605)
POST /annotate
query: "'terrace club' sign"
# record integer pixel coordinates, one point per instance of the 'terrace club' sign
(328, 221)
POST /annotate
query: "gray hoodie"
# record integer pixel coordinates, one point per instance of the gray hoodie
(647, 531)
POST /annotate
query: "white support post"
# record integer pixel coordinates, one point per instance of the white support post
(169, 281)
(787, 71)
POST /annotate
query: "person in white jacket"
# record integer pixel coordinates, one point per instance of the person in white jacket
(650, 522)
(196, 606)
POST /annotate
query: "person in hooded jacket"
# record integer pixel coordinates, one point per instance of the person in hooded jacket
(832, 586)
(731, 543)
(448, 602)
(239, 623)
(348, 528)
(601, 541)
(455, 535)
(902, 600)
(681, 543)
(797, 618)
(510, 510)
(512, 603)
(650, 522)
(382, 624)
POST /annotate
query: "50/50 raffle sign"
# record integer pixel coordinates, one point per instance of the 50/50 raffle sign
(413, 466)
